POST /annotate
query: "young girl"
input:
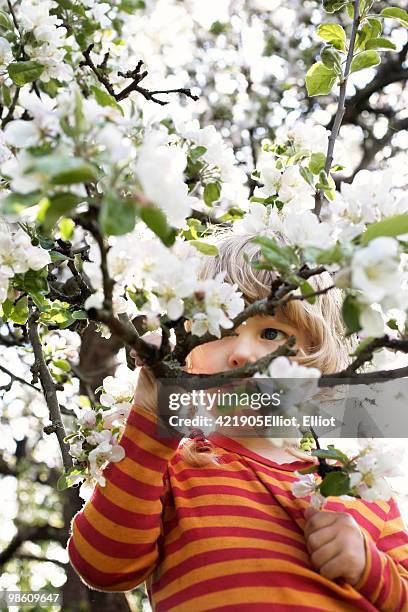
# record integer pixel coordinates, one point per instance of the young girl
(211, 523)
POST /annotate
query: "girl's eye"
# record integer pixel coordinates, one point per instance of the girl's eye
(272, 334)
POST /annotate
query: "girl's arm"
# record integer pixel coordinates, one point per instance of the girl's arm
(385, 578)
(114, 541)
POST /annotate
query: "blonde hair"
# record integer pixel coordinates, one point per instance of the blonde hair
(328, 349)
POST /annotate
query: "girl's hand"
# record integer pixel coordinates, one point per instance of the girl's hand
(336, 544)
(152, 338)
(146, 392)
(146, 387)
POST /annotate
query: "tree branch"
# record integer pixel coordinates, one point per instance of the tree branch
(136, 75)
(48, 386)
(32, 534)
(341, 109)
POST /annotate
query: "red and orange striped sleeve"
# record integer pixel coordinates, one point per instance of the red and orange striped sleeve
(113, 544)
(385, 579)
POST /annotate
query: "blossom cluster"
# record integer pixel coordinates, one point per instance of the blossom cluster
(17, 256)
(96, 441)
(366, 474)
(376, 273)
(155, 280)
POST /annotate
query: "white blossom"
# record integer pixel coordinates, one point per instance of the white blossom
(294, 190)
(21, 181)
(17, 254)
(160, 170)
(221, 302)
(4, 283)
(369, 192)
(260, 219)
(41, 109)
(218, 154)
(371, 321)
(106, 451)
(87, 418)
(270, 177)
(306, 485)
(297, 383)
(373, 467)
(282, 367)
(6, 53)
(77, 451)
(118, 390)
(305, 136)
(376, 271)
(305, 230)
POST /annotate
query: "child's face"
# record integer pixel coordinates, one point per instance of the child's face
(257, 337)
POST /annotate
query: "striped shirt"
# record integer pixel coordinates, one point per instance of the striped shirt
(227, 538)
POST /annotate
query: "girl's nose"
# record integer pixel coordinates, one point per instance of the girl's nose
(240, 355)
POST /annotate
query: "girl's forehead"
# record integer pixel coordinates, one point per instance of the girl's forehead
(277, 317)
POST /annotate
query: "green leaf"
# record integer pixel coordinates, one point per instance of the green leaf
(380, 43)
(362, 345)
(156, 220)
(196, 153)
(392, 226)
(363, 60)
(5, 95)
(33, 282)
(309, 470)
(317, 162)
(281, 258)
(350, 10)
(351, 315)
(103, 98)
(117, 215)
(306, 288)
(17, 202)
(396, 13)
(77, 171)
(307, 175)
(40, 301)
(333, 32)
(79, 315)
(212, 193)
(392, 324)
(18, 312)
(335, 483)
(5, 22)
(22, 73)
(204, 247)
(332, 6)
(331, 59)
(66, 228)
(62, 482)
(62, 364)
(52, 209)
(331, 453)
(56, 256)
(375, 25)
(320, 79)
(371, 29)
(63, 170)
(6, 309)
(330, 31)
(233, 214)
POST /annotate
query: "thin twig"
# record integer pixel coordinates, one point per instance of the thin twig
(16, 378)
